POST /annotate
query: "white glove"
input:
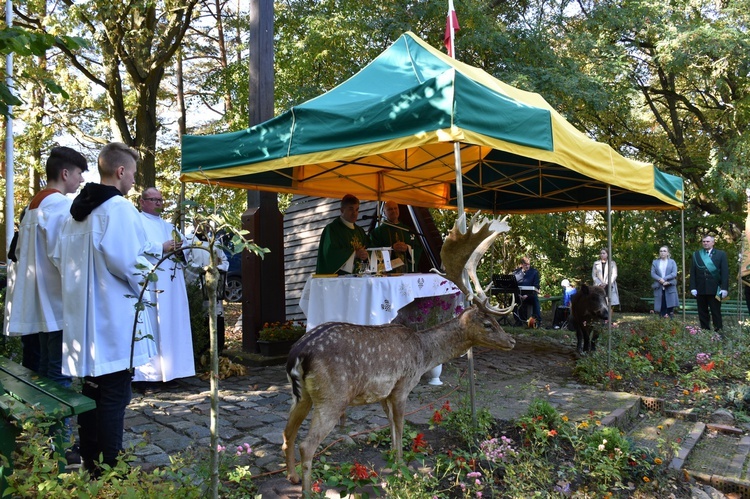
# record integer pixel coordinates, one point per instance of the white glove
(724, 293)
(694, 292)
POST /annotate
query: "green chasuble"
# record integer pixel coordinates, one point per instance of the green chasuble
(387, 234)
(337, 243)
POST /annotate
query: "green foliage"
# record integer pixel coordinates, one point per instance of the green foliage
(36, 474)
(705, 363)
(22, 42)
(459, 421)
(604, 454)
(543, 427)
(348, 477)
(739, 396)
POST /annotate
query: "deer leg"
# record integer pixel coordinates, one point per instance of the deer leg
(394, 408)
(388, 408)
(297, 415)
(323, 421)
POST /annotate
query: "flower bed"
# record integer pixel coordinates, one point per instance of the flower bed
(277, 338)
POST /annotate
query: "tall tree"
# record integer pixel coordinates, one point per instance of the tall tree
(666, 83)
(134, 43)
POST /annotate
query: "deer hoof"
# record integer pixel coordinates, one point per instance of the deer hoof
(293, 478)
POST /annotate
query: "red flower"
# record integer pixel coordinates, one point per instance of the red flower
(631, 354)
(317, 486)
(611, 374)
(419, 443)
(696, 387)
(447, 406)
(437, 418)
(650, 357)
(708, 367)
(360, 472)
(552, 433)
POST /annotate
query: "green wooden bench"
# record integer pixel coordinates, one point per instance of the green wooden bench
(728, 307)
(554, 300)
(24, 393)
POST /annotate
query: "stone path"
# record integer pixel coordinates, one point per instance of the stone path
(173, 418)
(169, 419)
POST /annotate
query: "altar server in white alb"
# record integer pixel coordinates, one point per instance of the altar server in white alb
(170, 316)
(99, 254)
(34, 300)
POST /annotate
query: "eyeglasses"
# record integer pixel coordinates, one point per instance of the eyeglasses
(155, 200)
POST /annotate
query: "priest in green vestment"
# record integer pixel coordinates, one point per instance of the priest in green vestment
(343, 244)
(393, 234)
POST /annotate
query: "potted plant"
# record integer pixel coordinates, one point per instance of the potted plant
(277, 338)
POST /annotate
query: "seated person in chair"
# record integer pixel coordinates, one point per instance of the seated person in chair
(563, 312)
(529, 297)
(343, 243)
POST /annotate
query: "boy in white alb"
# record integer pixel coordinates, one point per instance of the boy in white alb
(34, 300)
(101, 255)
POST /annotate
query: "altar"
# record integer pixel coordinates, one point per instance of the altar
(367, 300)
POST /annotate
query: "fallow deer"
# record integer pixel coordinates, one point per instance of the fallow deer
(337, 365)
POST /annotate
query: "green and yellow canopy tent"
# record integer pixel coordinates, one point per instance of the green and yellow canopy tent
(405, 126)
(396, 130)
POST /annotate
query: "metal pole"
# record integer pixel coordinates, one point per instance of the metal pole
(462, 228)
(9, 195)
(684, 273)
(609, 271)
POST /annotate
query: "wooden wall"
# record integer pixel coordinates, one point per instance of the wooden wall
(303, 224)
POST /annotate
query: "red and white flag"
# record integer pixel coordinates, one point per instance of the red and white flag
(451, 26)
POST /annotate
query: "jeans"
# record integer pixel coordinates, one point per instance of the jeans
(50, 358)
(101, 429)
(30, 354)
(50, 366)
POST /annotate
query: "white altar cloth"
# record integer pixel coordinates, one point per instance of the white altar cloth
(366, 300)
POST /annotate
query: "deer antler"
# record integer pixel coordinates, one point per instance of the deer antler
(463, 251)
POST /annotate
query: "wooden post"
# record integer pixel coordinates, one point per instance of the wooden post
(262, 280)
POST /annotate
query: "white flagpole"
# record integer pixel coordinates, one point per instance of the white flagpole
(9, 196)
(451, 32)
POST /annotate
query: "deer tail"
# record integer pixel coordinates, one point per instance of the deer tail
(294, 374)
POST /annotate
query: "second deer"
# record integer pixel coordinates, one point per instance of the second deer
(337, 365)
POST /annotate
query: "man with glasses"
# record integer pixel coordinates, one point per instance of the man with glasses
(709, 281)
(170, 314)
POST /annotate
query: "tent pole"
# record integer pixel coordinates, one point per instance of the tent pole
(462, 228)
(609, 271)
(9, 196)
(684, 273)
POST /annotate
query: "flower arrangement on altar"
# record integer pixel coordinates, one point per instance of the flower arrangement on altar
(434, 310)
(282, 331)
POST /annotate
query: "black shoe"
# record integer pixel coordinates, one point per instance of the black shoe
(93, 469)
